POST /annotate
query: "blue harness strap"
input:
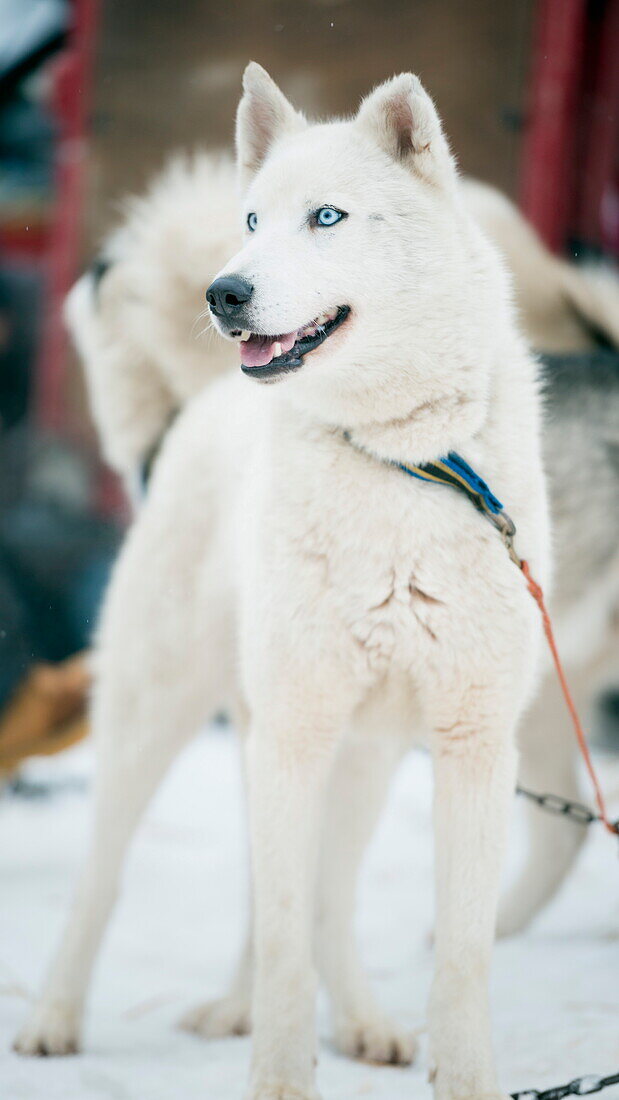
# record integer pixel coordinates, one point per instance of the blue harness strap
(454, 471)
(457, 474)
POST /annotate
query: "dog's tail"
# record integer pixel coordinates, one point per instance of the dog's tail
(135, 315)
(80, 313)
(593, 292)
(564, 307)
(128, 400)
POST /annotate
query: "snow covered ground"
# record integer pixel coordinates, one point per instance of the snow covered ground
(180, 921)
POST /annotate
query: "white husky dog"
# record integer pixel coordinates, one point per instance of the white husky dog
(287, 571)
(133, 318)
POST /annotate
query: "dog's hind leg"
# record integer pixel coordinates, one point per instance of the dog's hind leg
(124, 787)
(357, 791)
(228, 1015)
(548, 764)
(157, 677)
(362, 774)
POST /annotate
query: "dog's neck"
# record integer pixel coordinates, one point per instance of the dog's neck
(411, 408)
(422, 424)
(429, 429)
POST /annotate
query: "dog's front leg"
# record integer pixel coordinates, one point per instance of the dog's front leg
(475, 772)
(358, 789)
(289, 762)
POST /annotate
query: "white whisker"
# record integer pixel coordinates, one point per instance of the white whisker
(209, 330)
(200, 317)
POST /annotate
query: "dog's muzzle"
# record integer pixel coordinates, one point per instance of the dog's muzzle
(227, 297)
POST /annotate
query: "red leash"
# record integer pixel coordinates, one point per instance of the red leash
(538, 596)
(454, 471)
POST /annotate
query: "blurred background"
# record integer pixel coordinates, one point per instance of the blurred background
(94, 96)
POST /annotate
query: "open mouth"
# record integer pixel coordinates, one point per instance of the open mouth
(267, 356)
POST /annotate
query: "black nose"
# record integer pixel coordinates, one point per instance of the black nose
(228, 295)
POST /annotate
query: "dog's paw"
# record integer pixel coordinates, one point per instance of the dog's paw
(218, 1019)
(53, 1030)
(377, 1040)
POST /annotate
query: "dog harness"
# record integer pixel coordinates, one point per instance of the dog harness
(457, 473)
(454, 472)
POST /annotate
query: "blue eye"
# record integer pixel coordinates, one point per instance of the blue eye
(329, 215)
(252, 222)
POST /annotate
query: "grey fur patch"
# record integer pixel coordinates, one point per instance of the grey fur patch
(581, 447)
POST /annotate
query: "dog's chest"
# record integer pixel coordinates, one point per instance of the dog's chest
(398, 557)
(411, 570)
(392, 598)
(404, 616)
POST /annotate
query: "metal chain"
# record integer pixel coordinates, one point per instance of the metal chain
(581, 1086)
(564, 807)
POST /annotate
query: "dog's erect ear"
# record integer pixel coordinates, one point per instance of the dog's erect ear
(402, 119)
(264, 115)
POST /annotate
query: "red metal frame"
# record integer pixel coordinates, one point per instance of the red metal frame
(570, 177)
(597, 211)
(71, 101)
(549, 147)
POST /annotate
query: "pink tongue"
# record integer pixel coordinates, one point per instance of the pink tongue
(259, 350)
